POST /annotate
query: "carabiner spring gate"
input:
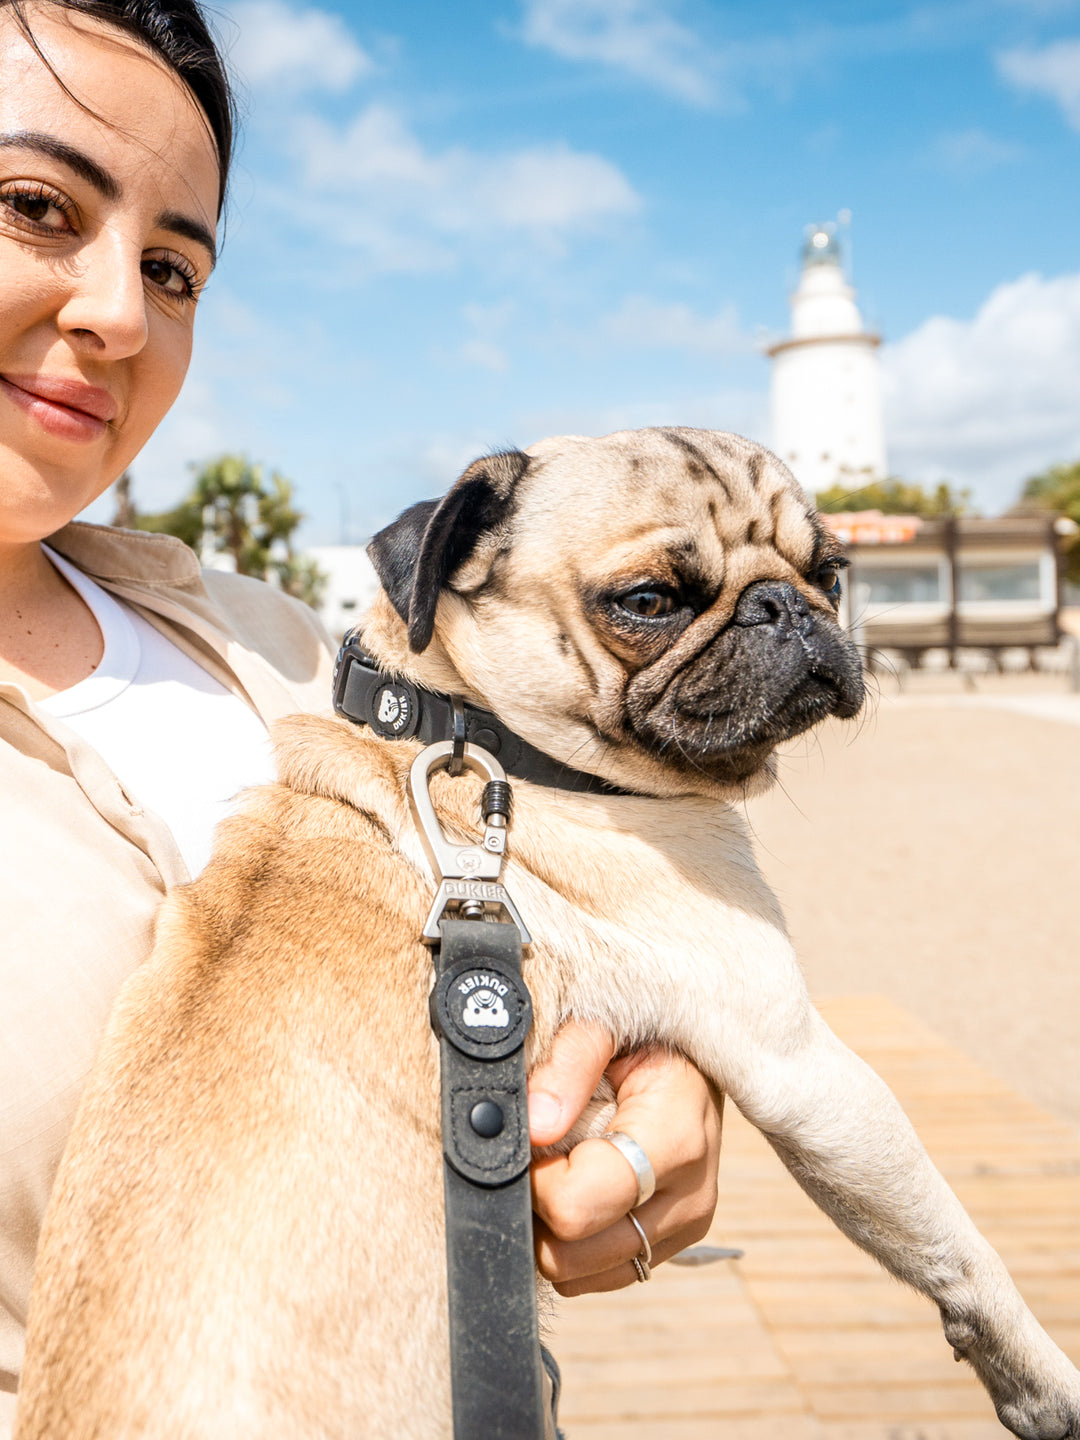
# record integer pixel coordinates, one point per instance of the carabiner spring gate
(468, 875)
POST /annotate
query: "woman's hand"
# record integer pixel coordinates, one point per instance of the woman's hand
(583, 1239)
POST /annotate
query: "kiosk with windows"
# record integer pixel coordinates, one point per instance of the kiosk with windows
(955, 583)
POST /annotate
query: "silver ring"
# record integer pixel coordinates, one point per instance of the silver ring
(638, 1161)
(643, 1271)
(645, 1254)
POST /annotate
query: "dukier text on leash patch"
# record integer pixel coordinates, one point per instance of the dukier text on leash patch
(485, 1012)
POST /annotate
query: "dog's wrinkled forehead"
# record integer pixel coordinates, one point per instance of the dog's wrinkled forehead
(673, 485)
(575, 503)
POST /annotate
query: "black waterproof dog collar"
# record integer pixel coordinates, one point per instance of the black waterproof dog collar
(397, 709)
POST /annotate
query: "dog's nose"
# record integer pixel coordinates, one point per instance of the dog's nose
(774, 603)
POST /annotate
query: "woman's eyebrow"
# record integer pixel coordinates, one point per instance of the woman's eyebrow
(191, 230)
(104, 183)
(74, 159)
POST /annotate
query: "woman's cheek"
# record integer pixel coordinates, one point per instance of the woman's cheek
(157, 382)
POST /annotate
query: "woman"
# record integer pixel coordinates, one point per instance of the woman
(134, 691)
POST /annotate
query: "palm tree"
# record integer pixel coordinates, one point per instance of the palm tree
(234, 510)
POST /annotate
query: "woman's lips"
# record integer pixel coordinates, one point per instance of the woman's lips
(68, 409)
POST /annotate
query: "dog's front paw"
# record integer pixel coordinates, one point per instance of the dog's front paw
(1033, 1421)
(1036, 1391)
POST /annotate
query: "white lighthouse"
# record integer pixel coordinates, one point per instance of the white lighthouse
(826, 386)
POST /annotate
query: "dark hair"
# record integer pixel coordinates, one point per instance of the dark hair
(176, 31)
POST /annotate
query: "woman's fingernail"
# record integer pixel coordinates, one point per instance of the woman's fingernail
(544, 1111)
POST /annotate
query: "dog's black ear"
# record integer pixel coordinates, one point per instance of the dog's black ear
(393, 552)
(415, 556)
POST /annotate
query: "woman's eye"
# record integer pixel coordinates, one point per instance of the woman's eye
(168, 277)
(38, 208)
(649, 604)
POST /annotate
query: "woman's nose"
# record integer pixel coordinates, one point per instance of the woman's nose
(105, 307)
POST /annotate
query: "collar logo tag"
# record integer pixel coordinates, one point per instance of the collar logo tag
(389, 707)
(393, 711)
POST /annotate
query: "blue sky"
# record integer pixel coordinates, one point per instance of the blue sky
(458, 226)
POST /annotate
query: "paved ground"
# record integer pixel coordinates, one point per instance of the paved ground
(929, 864)
(932, 853)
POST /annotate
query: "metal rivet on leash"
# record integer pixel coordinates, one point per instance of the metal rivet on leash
(487, 1119)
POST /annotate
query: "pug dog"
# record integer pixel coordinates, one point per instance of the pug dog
(246, 1234)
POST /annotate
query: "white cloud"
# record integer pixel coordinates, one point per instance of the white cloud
(547, 187)
(650, 324)
(644, 40)
(1053, 71)
(991, 400)
(409, 207)
(296, 47)
(638, 37)
(973, 152)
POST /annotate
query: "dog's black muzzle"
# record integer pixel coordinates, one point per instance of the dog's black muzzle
(777, 668)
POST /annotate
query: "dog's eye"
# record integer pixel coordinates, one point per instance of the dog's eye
(649, 603)
(828, 577)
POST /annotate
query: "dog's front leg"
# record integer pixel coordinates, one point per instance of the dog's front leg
(845, 1139)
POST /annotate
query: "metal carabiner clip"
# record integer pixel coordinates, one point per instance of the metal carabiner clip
(468, 875)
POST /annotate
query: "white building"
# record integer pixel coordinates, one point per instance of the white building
(826, 385)
(351, 584)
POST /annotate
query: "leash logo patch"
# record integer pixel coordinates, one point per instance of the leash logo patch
(482, 1011)
(483, 1004)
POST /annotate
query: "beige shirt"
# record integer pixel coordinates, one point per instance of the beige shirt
(83, 868)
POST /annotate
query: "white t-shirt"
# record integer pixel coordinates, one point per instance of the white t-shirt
(179, 742)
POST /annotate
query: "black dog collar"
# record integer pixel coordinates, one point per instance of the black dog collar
(397, 709)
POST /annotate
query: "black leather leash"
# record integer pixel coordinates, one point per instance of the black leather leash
(481, 1011)
(398, 709)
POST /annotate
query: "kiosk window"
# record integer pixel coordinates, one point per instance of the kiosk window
(901, 584)
(1000, 582)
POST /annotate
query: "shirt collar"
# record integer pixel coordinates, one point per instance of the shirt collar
(106, 553)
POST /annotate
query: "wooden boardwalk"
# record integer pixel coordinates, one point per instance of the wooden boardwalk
(807, 1338)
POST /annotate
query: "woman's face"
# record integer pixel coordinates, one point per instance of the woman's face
(107, 223)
